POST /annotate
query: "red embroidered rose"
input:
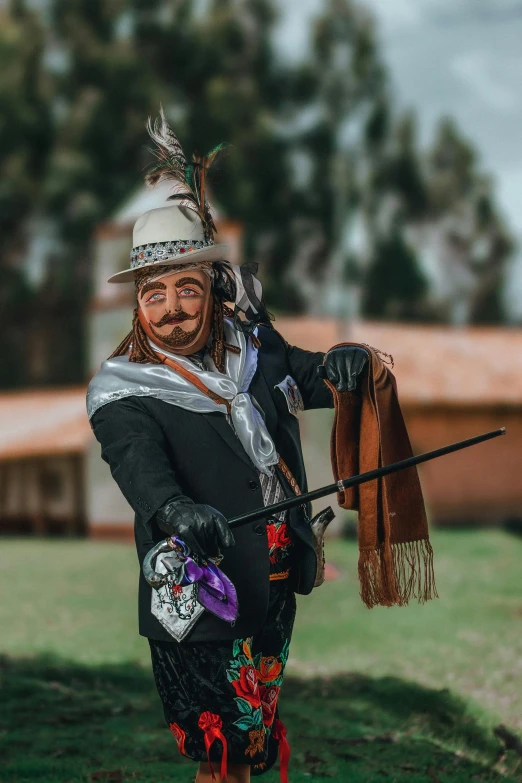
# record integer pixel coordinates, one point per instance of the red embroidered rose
(272, 535)
(278, 536)
(269, 695)
(247, 686)
(283, 538)
(179, 736)
(269, 669)
(177, 590)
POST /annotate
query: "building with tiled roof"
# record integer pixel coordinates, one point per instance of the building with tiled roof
(453, 383)
(44, 441)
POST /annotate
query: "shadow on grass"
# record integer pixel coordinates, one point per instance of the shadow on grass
(62, 722)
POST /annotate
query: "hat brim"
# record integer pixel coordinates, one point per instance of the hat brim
(211, 253)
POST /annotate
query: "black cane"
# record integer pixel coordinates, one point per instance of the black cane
(361, 478)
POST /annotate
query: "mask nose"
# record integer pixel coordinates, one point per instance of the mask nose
(174, 302)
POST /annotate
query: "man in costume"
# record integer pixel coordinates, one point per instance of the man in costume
(196, 415)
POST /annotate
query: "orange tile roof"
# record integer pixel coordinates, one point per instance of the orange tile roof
(43, 422)
(434, 365)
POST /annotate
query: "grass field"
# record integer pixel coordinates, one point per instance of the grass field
(409, 694)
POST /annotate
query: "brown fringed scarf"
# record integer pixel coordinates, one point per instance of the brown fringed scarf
(395, 555)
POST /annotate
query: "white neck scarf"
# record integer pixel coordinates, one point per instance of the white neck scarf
(118, 378)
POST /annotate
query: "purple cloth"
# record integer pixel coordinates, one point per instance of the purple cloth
(215, 590)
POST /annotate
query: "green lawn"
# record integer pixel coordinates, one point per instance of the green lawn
(409, 694)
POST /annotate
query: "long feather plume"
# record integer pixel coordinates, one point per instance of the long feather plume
(190, 178)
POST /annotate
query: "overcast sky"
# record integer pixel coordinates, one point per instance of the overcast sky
(458, 57)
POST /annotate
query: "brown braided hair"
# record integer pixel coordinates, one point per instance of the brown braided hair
(137, 345)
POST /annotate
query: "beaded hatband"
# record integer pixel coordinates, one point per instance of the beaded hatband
(159, 252)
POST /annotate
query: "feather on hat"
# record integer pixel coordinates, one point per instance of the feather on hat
(190, 177)
(182, 233)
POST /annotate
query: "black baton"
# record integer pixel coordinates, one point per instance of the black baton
(360, 478)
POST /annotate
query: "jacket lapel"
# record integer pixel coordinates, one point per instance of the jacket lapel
(261, 393)
(219, 422)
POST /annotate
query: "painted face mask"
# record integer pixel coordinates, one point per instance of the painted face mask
(175, 310)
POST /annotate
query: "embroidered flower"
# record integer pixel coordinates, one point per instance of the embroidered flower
(269, 669)
(247, 686)
(257, 742)
(179, 736)
(247, 644)
(278, 539)
(269, 696)
(283, 538)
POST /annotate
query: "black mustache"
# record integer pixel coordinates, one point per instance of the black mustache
(181, 316)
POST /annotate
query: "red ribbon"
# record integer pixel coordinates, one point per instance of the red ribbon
(279, 734)
(211, 724)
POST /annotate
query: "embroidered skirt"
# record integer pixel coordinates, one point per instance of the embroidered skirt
(221, 698)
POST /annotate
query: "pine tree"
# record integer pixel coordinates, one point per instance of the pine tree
(349, 95)
(462, 222)
(25, 139)
(395, 286)
(326, 180)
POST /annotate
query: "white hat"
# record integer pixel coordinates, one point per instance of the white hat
(168, 235)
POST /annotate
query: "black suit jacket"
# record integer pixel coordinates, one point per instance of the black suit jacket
(157, 450)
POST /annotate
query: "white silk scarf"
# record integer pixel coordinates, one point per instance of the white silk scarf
(119, 378)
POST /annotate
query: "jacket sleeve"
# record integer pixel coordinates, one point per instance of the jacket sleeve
(134, 447)
(303, 369)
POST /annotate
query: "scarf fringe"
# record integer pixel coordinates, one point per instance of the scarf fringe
(392, 574)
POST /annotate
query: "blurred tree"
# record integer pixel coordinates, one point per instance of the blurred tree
(460, 234)
(347, 106)
(395, 286)
(478, 243)
(403, 175)
(453, 245)
(227, 85)
(393, 282)
(328, 183)
(102, 90)
(25, 140)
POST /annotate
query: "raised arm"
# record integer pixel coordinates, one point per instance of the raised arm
(343, 366)
(302, 366)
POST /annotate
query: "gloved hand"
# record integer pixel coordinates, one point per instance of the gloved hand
(203, 529)
(344, 367)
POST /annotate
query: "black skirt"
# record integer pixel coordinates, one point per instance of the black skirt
(220, 698)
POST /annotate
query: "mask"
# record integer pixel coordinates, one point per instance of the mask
(175, 310)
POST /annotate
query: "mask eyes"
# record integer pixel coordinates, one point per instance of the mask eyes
(157, 296)
(186, 292)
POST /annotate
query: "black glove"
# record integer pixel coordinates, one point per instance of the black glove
(344, 367)
(202, 528)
